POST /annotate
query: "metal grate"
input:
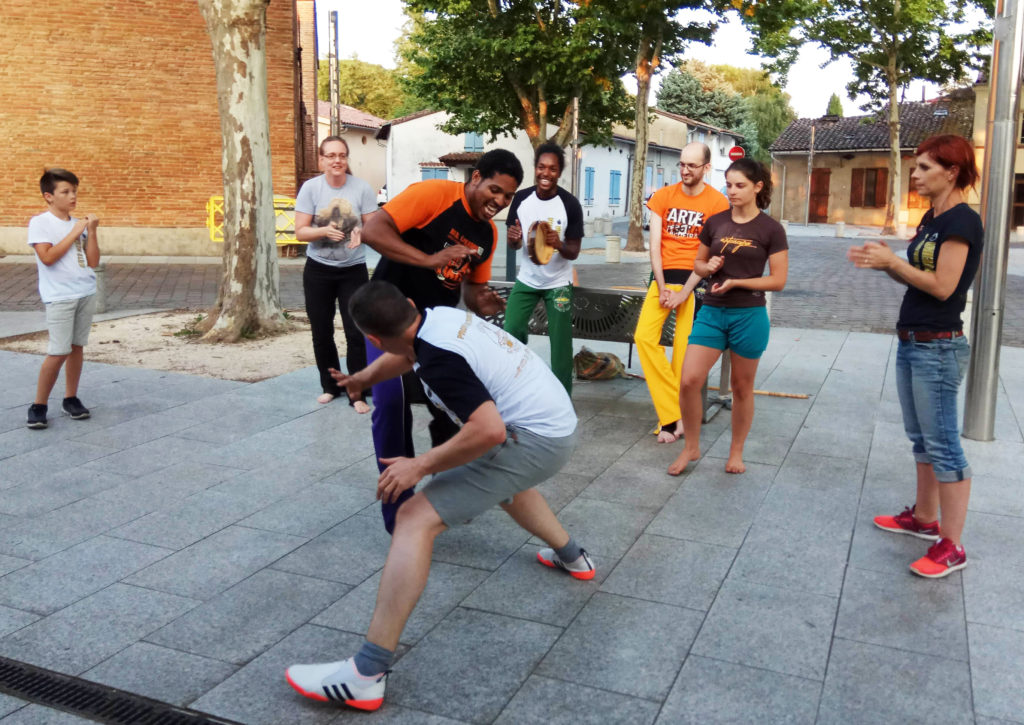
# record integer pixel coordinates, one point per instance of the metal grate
(92, 700)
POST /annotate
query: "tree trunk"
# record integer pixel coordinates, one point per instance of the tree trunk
(646, 61)
(895, 163)
(248, 301)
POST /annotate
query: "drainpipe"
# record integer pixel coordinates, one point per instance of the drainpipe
(810, 165)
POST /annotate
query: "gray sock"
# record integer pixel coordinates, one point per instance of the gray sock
(570, 552)
(372, 660)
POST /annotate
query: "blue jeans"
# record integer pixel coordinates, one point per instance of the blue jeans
(928, 376)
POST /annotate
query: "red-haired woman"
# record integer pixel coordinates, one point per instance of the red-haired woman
(942, 260)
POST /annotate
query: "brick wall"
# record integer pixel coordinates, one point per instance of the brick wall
(124, 95)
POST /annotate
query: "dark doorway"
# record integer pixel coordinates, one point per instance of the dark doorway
(819, 195)
(1018, 200)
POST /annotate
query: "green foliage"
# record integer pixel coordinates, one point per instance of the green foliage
(835, 106)
(889, 42)
(192, 330)
(740, 99)
(497, 67)
(368, 87)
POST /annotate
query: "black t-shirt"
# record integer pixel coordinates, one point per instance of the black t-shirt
(921, 311)
(431, 215)
(746, 248)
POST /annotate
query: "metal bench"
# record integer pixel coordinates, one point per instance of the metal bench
(611, 315)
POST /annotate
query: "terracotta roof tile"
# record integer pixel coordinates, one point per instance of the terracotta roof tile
(918, 121)
(350, 116)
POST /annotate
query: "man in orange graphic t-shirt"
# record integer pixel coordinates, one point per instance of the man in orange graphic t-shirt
(678, 213)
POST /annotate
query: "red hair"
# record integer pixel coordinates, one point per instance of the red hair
(949, 150)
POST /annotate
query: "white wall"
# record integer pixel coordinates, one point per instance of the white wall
(604, 160)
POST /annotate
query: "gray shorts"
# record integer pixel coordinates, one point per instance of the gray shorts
(69, 322)
(523, 461)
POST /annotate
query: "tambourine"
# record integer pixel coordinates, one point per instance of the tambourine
(537, 243)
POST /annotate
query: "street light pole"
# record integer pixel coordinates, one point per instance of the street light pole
(996, 190)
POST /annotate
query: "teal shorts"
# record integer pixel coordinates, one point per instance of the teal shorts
(744, 330)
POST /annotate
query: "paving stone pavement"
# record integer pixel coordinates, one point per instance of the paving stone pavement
(824, 290)
(196, 536)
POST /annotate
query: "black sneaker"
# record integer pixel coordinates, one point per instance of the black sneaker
(37, 415)
(73, 407)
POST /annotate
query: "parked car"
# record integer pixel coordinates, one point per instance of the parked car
(382, 195)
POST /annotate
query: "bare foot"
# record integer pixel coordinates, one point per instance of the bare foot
(683, 460)
(325, 398)
(667, 436)
(735, 465)
(361, 407)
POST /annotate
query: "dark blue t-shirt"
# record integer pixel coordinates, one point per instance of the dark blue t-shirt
(921, 311)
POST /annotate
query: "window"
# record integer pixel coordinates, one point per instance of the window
(614, 193)
(869, 187)
(433, 172)
(649, 179)
(661, 177)
(588, 185)
(474, 142)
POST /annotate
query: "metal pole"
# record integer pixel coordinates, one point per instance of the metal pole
(575, 179)
(810, 166)
(996, 188)
(333, 70)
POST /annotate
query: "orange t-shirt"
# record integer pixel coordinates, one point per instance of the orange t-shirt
(682, 218)
(431, 215)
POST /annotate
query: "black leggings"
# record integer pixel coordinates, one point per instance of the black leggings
(328, 289)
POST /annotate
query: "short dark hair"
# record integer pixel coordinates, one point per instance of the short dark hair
(328, 140)
(550, 148)
(381, 309)
(500, 161)
(756, 172)
(48, 181)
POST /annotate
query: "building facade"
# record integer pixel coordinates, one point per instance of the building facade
(127, 100)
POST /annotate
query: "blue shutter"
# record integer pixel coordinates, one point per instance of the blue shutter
(433, 172)
(614, 195)
(649, 179)
(588, 193)
(474, 142)
(661, 177)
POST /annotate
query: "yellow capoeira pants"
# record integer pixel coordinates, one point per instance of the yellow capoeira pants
(663, 376)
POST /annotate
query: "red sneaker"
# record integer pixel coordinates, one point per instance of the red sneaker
(905, 523)
(942, 558)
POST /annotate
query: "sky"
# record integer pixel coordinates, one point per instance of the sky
(369, 29)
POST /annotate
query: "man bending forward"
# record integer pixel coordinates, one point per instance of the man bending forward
(517, 430)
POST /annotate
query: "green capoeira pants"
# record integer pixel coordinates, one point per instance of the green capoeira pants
(558, 304)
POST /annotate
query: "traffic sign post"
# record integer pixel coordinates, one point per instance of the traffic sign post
(736, 153)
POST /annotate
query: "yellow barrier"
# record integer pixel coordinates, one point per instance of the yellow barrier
(284, 219)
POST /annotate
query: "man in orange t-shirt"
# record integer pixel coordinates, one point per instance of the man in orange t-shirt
(436, 239)
(678, 213)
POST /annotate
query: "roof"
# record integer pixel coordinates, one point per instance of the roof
(385, 128)
(918, 121)
(350, 116)
(692, 122)
(460, 158)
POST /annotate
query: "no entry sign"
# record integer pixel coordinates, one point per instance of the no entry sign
(736, 153)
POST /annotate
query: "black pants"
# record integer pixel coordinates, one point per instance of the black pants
(328, 289)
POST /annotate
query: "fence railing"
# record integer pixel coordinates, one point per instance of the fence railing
(284, 219)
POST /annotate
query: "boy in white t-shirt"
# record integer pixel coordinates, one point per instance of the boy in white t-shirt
(66, 250)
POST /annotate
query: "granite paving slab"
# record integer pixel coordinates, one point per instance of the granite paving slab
(241, 622)
(311, 511)
(671, 571)
(997, 671)
(868, 683)
(348, 553)
(160, 673)
(92, 629)
(709, 690)
(541, 699)
(781, 630)
(624, 645)
(506, 651)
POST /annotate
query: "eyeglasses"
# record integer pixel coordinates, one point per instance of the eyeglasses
(335, 157)
(690, 167)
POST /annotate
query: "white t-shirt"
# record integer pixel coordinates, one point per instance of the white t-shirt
(565, 215)
(344, 208)
(70, 277)
(464, 361)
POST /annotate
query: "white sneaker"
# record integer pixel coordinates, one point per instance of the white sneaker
(582, 568)
(338, 682)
